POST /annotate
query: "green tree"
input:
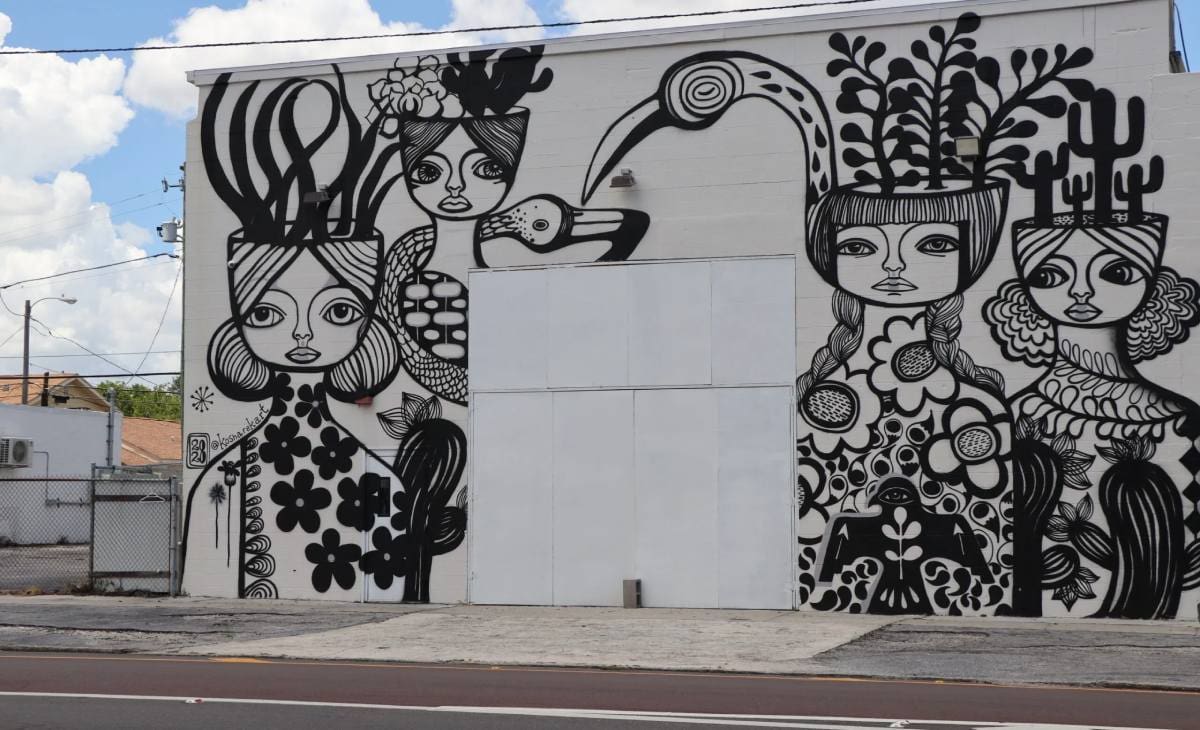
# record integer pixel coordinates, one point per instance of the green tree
(162, 402)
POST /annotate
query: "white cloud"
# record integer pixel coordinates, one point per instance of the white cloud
(55, 114)
(157, 78)
(54, 226)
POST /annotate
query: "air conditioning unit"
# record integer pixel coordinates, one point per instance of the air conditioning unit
(15, 452)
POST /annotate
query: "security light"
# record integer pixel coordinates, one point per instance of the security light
(966, 148)
(624, 179)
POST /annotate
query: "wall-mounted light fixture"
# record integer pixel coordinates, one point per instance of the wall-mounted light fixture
(318, 196)
(623, 179)
(967, 148)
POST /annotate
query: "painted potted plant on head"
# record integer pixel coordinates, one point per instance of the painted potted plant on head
(461, 133)
(1093, 300)
(900, 244)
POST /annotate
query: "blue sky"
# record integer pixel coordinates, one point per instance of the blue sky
(149, 145)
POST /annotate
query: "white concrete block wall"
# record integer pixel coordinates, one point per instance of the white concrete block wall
(737, 188)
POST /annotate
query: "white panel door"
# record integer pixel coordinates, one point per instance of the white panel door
(510, 519)
(754, 497)
(507, 333)
(588, 311)
(670, 324)
(754, 321)
(593, 496)
(675, 435)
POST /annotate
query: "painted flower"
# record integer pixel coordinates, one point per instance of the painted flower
(1072, 525)
(412, 93)
(359, 502)
(906, 369)
(386, 562)
(283, 444)
(281, 392)
(333, 561)
(229, 472)
(841, 412)
(311, 405)
(299, 502)
(335, 455)
(1062, 571)
(971, 448)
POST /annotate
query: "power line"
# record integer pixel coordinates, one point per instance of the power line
(49, 332)
(445, 31)
(39, 226)
(90, 268)
(106, 354)
(163, 318)
(1182, 37)
(120, 214)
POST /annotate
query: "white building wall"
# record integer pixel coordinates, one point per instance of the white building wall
(66, 443)
(743, 185)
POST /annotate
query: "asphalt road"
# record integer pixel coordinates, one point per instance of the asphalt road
(264, 695)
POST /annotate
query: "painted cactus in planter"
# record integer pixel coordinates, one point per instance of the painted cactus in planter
(430, 461)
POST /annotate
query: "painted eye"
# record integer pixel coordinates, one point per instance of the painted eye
(937, 245)
(488, 169)
(1047, 277)
(856, 247)
(1121, 272)
(342, 312)
(425, 173)
(264, 315)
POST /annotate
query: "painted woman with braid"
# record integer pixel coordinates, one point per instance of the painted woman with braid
(893, 393)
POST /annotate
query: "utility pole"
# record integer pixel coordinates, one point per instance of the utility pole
(25, 359)
(25, 356)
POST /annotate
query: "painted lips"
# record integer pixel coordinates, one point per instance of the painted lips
(302, 355)
(1082, 312)
(897, 285)
(454, 204)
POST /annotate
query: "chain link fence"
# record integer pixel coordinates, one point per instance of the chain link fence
(111, 531)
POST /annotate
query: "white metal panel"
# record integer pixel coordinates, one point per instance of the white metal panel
(675, 435)
(507, 334)
(753, 321)
(511, 502)
(593, 496)
(588, 312)
(754, 497)
(670, 324)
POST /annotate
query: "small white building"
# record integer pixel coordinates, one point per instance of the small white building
(34, 508)
(871, 310)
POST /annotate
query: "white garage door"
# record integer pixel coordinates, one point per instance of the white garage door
(590, 464)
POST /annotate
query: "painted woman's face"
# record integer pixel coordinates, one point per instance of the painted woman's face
(458, 180)
(899, 265)
(306, 321)
(1086, 284)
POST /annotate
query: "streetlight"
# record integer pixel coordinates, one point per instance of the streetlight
(25, 358)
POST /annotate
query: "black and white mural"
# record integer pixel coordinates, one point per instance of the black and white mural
(326, 309)
(924, 482)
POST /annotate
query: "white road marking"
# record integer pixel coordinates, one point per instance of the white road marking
(798, 722)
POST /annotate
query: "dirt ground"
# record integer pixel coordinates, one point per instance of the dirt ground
(43, 568)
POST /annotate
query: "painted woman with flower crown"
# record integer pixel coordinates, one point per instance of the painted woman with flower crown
(903, 440)
(461, 135)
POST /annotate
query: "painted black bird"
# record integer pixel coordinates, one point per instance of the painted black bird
(901, 537)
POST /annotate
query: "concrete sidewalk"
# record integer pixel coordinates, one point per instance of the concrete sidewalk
(1002, 650)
